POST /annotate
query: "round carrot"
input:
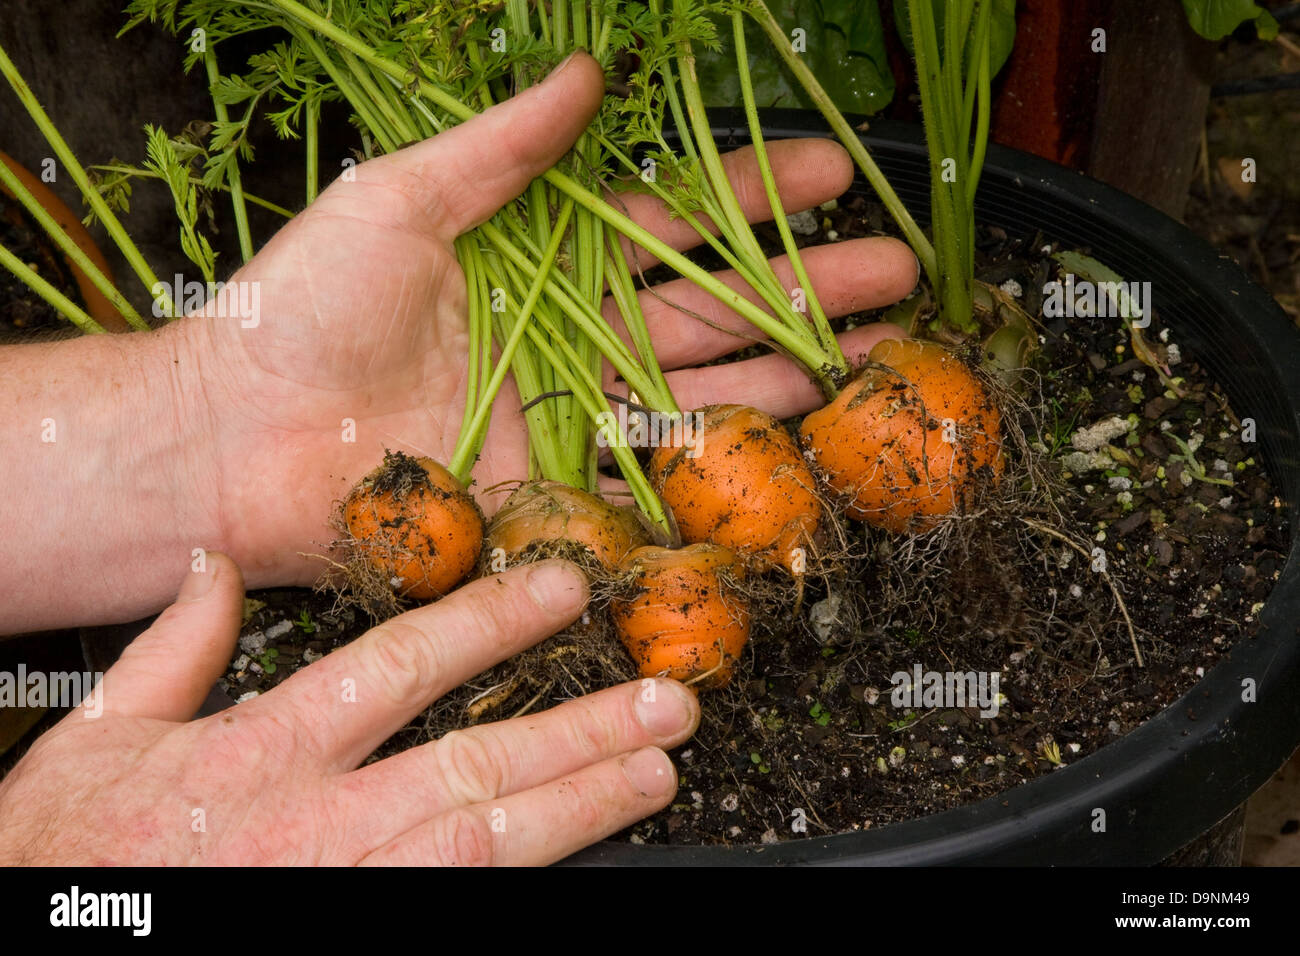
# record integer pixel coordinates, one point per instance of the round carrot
(908, 441)
(740, 481)
(687, 620)
(545, 511)
(413, 522)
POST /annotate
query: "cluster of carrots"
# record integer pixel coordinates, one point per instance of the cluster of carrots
(908, 442)
(734, 496)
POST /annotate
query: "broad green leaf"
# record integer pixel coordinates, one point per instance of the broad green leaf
(1088, 268)
(845, 49)
(1215, 19)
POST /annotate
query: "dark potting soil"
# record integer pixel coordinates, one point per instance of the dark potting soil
(24, 314)
(1175, 519)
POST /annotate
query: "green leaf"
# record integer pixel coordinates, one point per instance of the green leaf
(232, 89)
(845, 49)
(1002, 28)
(1215, 19)
(1088, 268)
(163, 158)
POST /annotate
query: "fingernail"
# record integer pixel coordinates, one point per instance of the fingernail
(664, 708)
(197, 584)
(557, 586)
(565, 62)
(651, 772)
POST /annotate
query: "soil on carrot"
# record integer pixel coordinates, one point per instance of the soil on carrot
(1146, 525)
(23, 314)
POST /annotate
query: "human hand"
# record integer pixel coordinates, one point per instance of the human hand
(275, 779)
(362, 317)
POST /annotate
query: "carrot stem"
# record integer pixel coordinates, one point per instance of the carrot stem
(467, 451)
(846, 135)
(312, 136)
(233, 177)
(142, 173)
(824, 333)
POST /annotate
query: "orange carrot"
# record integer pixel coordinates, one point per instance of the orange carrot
(909, 440)
(413, 522)
(545, 511)
(688, 621)
(741, 482)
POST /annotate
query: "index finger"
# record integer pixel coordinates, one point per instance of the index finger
(341, 708)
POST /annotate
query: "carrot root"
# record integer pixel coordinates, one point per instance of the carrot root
(411, 522)
(687, 620)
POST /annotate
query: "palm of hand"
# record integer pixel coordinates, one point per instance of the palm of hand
(362, 333)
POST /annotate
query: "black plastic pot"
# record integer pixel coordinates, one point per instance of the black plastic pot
(1173, 778)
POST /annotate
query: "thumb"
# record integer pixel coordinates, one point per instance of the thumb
(461, 177)
(167, 671)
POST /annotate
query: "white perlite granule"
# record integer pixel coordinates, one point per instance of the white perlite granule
(1102, 433)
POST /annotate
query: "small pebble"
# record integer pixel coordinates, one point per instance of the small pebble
(824, 616)
(803, 223)
(277, 631)
(1100, 433)
(730, 803)
(253, 643)
(246, 697)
